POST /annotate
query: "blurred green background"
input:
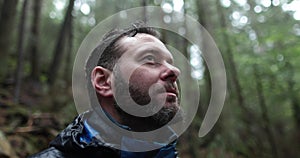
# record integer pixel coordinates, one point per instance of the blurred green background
(259, 41)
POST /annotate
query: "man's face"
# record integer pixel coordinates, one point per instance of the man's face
(146, 66)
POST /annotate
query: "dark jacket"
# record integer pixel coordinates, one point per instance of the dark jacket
(76, 141)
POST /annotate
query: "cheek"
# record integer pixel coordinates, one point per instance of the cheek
(143, 78)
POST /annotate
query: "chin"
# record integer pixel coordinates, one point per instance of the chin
(173, 105)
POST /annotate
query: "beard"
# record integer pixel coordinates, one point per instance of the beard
(140, 95)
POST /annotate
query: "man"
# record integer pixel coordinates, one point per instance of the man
(135, 86)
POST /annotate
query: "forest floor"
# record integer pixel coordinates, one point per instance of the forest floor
(29, 126)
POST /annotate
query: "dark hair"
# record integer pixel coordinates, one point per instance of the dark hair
(109, 48)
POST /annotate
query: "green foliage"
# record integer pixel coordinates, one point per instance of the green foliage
(269, 41)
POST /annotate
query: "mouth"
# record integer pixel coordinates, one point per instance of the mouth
(170, 91)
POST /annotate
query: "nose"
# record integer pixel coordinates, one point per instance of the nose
(170, 73)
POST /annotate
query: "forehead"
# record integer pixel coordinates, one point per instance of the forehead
(139, 38)
(142, 41)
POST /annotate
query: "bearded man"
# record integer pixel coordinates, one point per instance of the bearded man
(134, 83)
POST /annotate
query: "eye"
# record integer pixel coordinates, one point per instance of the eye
(149, 58)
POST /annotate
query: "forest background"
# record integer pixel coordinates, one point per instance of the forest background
(259, 41)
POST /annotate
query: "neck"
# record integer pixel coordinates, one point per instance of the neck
(135, 123)
(109, 108)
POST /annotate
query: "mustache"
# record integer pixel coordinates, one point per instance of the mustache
(168, 87)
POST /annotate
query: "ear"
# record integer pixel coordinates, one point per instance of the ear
(101, 80)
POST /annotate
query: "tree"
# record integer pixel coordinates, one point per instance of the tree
(34, 42)
(20, 52)
(68, 65)
(59, 49)
(7, 21)
(265, 116)
(293, 96)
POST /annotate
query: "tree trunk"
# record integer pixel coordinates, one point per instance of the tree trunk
(7, 21)
(202, 11)
(68, 65)
(293, 97)
(20, 52)
(265, 117)
(34, 75)
(144, 4)
(59, 49)
(248, 115)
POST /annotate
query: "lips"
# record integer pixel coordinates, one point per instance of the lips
(168, 92)
(172, 91)
(169, 89)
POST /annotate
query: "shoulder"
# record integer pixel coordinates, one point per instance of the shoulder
(51, 152)
(99, 152)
